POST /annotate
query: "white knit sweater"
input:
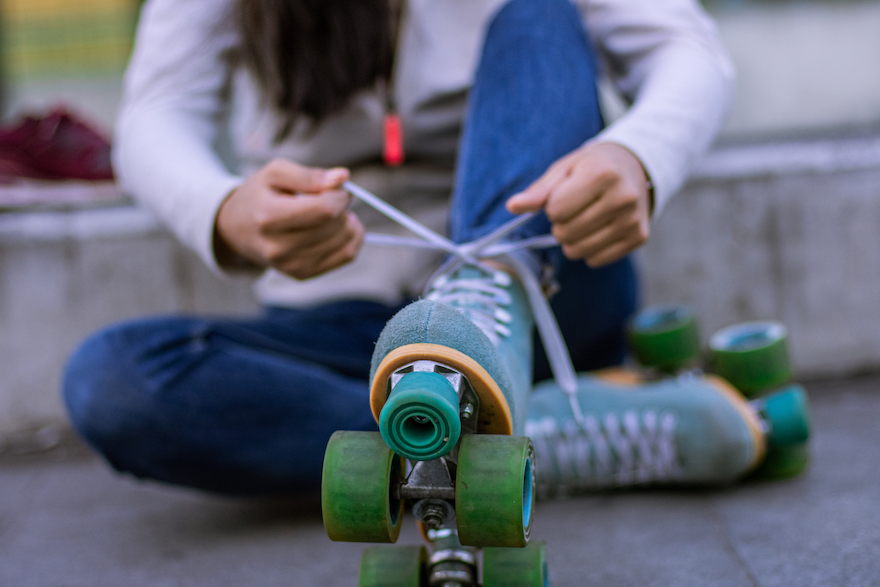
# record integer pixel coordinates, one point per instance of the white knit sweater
(663, 56)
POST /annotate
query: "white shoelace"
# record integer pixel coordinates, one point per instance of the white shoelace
(592, 452)
(488, 246)
(605, 451)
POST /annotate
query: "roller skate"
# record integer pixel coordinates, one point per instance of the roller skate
(449, 382)
(666, 422)
(688, 430)
(752, 356)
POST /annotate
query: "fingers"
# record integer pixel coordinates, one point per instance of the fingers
(597, 201)
(303, 211)
(289, 177)
(536, 195)
(310, 255)
(612, 224)
(344, 254)
(578, 192)
(605, 244)
(590, 199)
(304, 223)
(284, 208)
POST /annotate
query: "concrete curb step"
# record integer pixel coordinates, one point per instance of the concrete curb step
(790, 158)
(782, 231)
(35, 195)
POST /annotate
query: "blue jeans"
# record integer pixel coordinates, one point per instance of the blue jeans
(246, 406)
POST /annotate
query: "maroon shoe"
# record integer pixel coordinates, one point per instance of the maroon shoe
(54, 147)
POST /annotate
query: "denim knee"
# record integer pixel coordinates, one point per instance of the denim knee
(539, 20)
(95, 380)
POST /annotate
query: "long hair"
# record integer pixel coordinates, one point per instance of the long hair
(310, 56)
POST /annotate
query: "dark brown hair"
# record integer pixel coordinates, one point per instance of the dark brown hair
(310, 56)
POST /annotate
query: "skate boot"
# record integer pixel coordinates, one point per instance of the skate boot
(689, 430)
(450, 378)
(479, 322)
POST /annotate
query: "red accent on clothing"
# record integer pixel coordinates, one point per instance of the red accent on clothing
(393, 140)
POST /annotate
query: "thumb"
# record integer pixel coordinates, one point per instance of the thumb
(530, 200)
(535, 197)
(334, 178)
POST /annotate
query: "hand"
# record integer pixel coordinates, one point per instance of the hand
(597, 199)
(289, 217)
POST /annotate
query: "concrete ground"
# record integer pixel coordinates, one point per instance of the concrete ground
(67, 520)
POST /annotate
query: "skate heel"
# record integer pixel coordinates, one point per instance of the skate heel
(786, 416)
(420, 419)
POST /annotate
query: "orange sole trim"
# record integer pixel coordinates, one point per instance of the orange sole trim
(752, 419)
(494, 415)
(619, 376)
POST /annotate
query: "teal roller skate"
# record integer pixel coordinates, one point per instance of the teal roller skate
(690, 430)
(449, 382)
(450, 378)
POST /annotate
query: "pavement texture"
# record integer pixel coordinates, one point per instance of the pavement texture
(67, 520)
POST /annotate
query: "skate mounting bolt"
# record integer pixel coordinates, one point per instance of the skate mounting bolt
(432, 512)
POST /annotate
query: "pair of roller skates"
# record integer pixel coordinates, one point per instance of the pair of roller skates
(451, 382)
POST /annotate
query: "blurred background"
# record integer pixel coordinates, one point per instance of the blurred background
(65, 51)
(780, 220)
(805, 66)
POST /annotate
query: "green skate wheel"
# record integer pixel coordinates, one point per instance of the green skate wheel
(752, 356)
(786, 415)
(783, 462)
(420, 419)
(359, 487)
(393, 566)
(495, 490)
(665, 338)
(516, 567)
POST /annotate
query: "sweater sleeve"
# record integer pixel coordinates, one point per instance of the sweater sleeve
(664, 57)
(163, 149)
